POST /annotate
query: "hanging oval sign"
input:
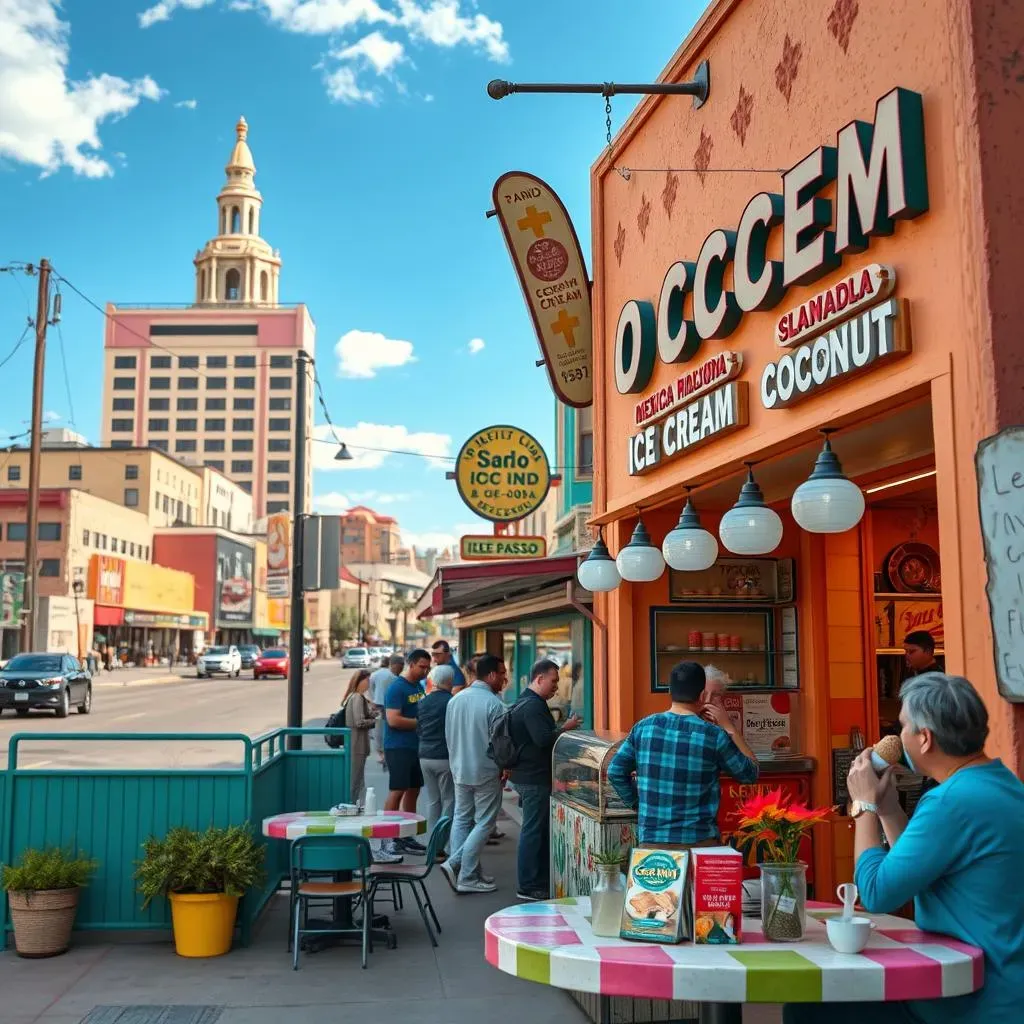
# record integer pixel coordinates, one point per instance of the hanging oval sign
(549, 262)
(502, 474)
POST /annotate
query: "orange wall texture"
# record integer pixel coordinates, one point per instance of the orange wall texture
(785, 78)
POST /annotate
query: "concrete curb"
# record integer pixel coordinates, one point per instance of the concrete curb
(105, 684)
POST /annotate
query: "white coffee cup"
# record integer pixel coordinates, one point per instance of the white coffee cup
(849, 936)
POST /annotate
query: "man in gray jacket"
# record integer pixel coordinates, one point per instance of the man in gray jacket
(471, 716)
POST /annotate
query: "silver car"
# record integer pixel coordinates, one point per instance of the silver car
(356, 657)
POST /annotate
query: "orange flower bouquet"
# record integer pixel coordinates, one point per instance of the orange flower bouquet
(772, 826)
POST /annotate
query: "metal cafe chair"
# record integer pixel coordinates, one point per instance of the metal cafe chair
(414, 876)
(345, 857)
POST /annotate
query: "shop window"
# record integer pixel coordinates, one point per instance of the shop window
(159, 425)
(281, 383)
(245, 383)
(243, 425)
(124, 405)
(244, 405)
(280, 362)
(17, 531)
(279, 466)
(215, 424)
(280, 423)
(159, 383)
(245, 362)
(124, 362)
(186, 425)
(160, 362)
(49, 567)
(188, 404)
(131, 471)
(124, 383)
(48, 531)
(277, 487)
(131, 497)
(280, 405)
(74, 472)
(214, 444)
(216, 362)
(279, 444)
(241, 444)
(216, 383)
(13, 473)
(159, 404)
(585, 441)
(216, 404)
(188, 362)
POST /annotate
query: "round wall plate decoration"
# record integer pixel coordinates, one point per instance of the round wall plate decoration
(913, 568)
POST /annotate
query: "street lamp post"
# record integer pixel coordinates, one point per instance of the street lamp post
(77, 588)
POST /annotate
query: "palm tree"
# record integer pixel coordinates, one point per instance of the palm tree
(402, 606)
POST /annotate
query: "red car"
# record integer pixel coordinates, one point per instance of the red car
(273, 662)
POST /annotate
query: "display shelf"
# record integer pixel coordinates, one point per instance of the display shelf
(912, 596)
(734, 654)
(939, 652)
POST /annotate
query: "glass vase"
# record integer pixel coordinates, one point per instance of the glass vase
(606, 901)
(783, 901)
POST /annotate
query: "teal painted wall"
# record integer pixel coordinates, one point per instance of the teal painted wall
(573, 492)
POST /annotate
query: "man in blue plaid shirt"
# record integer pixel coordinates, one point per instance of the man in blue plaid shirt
(677, 757)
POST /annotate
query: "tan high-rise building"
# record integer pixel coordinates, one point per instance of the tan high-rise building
(212, 382)
(367, 536)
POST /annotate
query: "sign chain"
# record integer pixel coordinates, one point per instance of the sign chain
(608, 120)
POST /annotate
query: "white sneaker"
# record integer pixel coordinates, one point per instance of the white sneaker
(476, 885)
(384, 856)
(450, 875)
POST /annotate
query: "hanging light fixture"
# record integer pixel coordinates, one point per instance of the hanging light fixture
(597, 572)
(640, 561)
(344, 455)
(688, 546)
(827, 501)
(750, 527)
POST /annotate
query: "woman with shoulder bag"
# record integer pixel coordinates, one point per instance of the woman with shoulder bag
(357, 716)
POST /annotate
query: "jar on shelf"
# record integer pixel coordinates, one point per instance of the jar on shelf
(735, 643)
(723, 641)
(709, 641)
(695, 640)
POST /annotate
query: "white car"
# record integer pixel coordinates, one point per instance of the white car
(223, 660)
(356, 657)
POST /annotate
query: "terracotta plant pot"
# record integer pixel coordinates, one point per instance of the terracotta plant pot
(43, 921)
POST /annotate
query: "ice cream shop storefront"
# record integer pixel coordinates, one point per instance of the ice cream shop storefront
(789, 396)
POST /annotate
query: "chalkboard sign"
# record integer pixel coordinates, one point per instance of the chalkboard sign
(842, 762)
(999, 463)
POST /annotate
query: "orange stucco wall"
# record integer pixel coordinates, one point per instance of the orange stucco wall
(785, 78)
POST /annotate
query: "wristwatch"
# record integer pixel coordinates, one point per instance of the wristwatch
(860, 807)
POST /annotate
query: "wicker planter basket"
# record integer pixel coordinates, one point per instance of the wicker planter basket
(43, 921)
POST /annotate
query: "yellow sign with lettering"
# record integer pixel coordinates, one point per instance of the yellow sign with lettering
(502, 473)
(485, 548)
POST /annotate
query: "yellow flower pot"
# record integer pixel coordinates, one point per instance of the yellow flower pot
(204, 923)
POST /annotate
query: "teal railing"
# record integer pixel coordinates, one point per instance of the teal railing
(108, 813)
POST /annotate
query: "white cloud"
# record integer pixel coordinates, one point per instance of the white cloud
(162, 10)
(46, 120)
(51, 417)
(187, 104)
(475, 345)
(371, 444)
(438, 23)
(441, 539)
(332, 503)
(363, 353)
(375, 50)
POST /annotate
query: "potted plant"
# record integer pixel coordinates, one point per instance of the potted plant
(43, 891)
(771, 828)
(203, 874)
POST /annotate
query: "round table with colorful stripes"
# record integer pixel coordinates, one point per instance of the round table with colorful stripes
(552, 943)
(386, 825)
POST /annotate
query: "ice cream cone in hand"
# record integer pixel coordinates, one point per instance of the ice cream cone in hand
(886, 752)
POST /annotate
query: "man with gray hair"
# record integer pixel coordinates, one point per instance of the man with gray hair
(957, 858)
(434, 762)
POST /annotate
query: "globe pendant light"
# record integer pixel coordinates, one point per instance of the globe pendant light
(597, 572)
(750, 527)
(640, 561)
(688, 547)
(827, 501)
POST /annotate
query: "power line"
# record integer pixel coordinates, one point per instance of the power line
(67, 379)
(17, 345)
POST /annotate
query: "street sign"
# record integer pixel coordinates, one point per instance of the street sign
(502, 473)
(485, 548)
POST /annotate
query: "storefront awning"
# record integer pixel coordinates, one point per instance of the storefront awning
(262, 631)
(457, 589)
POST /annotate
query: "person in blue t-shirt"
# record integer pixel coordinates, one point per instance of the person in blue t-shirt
(401, 744)
(958, 856)
(442, 652)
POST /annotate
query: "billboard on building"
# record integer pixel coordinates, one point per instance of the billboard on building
(155, 588)
(106, 580)
(279, 550)
(234, 599)
(12, 596)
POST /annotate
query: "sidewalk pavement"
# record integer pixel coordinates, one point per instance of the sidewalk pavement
(137, 980)
(143, 676)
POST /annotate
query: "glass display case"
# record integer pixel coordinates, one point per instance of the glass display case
(756, 647)
(580, 774)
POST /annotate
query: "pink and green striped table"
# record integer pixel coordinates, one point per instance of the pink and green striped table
(552, 943)
(386, 825)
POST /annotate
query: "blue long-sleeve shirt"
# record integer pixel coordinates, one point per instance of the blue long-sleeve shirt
(960, 859)
(678, 760)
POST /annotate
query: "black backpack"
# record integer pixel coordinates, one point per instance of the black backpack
(336, 721)
(502, 748)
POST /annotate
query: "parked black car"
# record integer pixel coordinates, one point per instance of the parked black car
(50, 682)
(249, 653)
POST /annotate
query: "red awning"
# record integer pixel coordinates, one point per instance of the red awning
(457, 589)
(105, 615)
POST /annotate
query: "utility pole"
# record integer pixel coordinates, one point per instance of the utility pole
(30, 608)
(298, 619)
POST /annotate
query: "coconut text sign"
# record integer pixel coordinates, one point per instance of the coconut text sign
(483, 547)
(502, 473)
(549, 262)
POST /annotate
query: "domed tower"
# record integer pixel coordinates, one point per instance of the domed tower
(237, 266)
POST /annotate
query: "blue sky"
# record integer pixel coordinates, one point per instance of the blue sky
(376, 148)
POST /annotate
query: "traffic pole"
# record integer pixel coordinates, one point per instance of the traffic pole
(298, 616)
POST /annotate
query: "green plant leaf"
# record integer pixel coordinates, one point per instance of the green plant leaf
(49, 868)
